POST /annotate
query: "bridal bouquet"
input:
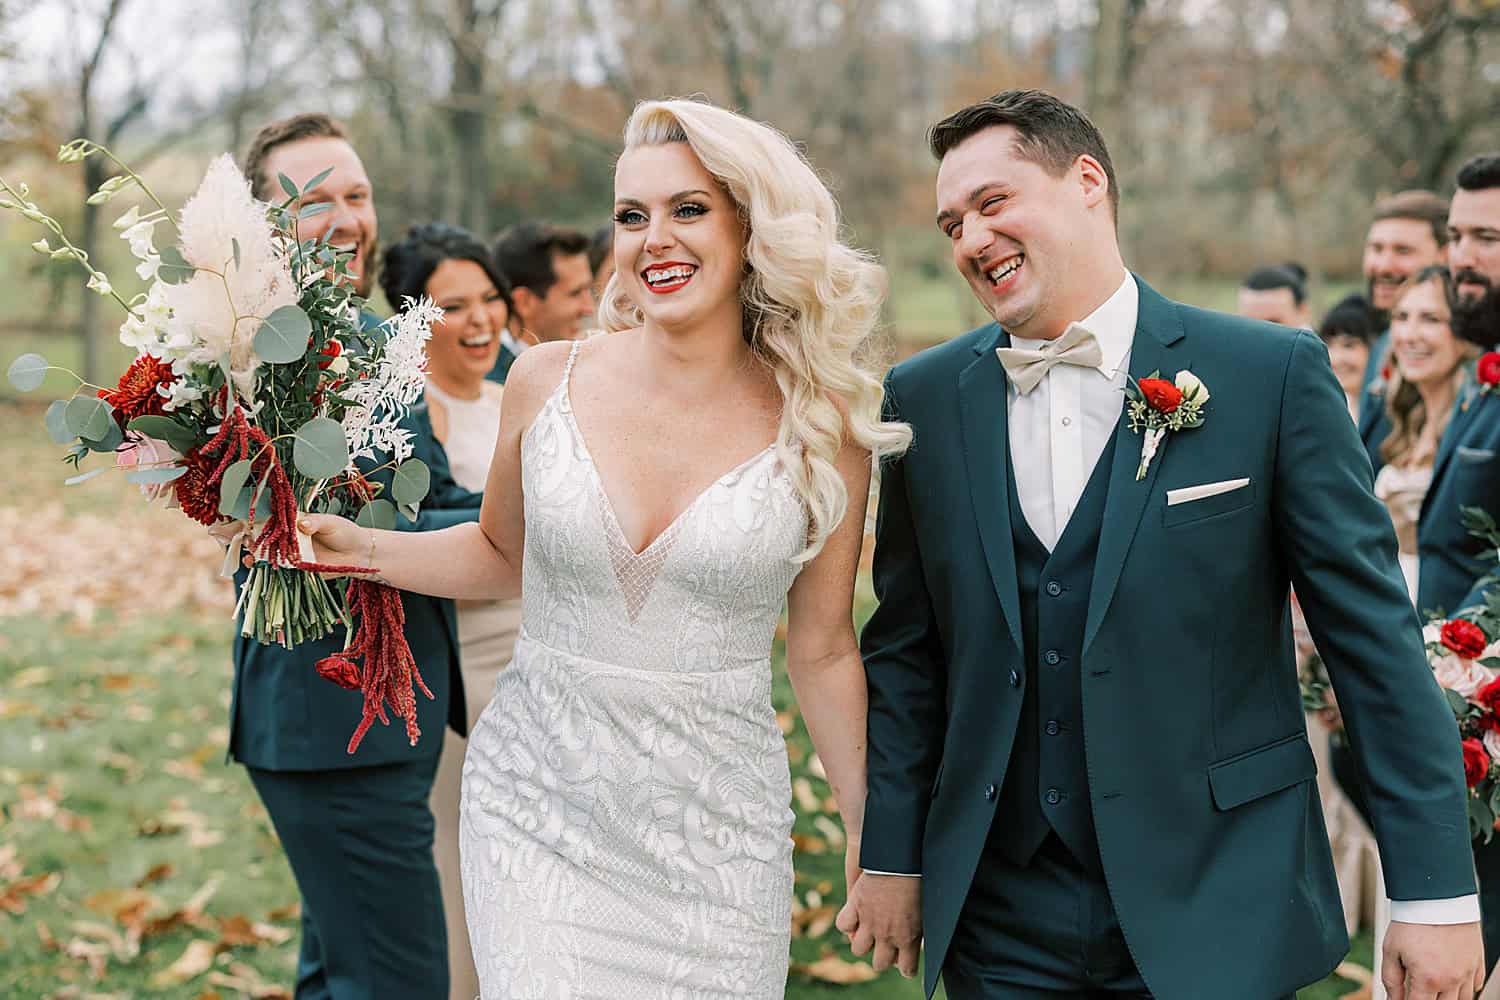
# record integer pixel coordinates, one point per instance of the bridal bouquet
(1466, 662)
(255, 388)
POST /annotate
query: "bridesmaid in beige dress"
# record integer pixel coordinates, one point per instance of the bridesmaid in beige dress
(452, 268)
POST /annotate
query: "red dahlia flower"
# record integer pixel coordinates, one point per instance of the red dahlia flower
(195, 496)
(136, 394)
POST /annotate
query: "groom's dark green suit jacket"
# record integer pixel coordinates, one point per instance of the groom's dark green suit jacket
(1200, 775)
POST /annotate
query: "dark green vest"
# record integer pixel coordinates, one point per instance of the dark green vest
(1046, 782)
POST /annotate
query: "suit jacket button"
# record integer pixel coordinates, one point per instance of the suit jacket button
(989, 792)
(1053, 657)
(1054, 588)
(1053, 796)
(1015, 679)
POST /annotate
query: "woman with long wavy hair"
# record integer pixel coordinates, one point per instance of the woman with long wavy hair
(1429, 371)
(668, 488)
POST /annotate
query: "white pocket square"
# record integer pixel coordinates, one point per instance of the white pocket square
(1190, 493)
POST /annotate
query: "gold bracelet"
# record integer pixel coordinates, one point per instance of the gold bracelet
(370, 559)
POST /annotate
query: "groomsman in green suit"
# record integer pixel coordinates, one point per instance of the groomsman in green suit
(356, 829)
(551, 287)
(1088, 769)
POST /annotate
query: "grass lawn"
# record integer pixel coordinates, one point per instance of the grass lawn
(134, 862)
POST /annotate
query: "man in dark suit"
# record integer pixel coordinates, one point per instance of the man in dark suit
(356, 829)
(551, 287)
(1088, 770)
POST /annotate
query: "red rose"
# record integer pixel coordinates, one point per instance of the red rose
(1464, 638)
(1476, 762)
(1489, 369)
(1386, 371)
(329, 352)
(1163, 396)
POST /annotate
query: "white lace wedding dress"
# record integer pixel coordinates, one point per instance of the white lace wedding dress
(626, 808)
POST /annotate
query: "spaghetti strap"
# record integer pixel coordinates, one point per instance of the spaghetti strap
(572, 358)
(563, 393)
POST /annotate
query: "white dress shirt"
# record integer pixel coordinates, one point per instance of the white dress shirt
(1059, 430)
(510, 343)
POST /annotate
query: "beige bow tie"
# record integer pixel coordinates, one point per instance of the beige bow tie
(1025, 367)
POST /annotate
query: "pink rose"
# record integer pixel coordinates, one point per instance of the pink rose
(150, 452)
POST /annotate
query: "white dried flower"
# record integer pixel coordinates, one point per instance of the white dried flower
(205, 308)
(372, 426)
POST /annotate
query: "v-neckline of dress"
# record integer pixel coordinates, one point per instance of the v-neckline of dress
(604, 493)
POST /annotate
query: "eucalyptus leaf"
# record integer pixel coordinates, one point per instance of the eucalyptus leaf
(283, 335)
(411, 482)
(262, 503)
(309, 211)
(409, 511)
(319, 449)
(174, 268)
(288, 186)
(153, 477)
(239, 508)
(1457, 703)
(57, 424)
(231, 485)
(27, 372)
(111, 439)
(75, 480)
(377, 514)
(87, 417)
(179, 438)
(319, 179)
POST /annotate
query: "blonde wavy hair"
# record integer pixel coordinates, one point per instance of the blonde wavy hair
(1403, 403)
(810, 301)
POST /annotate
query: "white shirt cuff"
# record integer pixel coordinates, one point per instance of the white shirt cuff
(1458, 910)
(869, 871)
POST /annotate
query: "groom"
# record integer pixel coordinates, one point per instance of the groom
(1088, 770)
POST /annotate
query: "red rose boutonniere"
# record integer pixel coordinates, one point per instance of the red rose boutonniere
(1156, 406)
(1487, 372)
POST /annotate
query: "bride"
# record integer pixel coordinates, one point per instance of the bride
(668, 488)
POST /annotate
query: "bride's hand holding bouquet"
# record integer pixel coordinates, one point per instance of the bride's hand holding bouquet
(261, 392)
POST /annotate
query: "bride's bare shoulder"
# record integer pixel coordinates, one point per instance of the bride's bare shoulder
(533, 377)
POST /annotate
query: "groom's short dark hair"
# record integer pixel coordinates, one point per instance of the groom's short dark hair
(1051, 132)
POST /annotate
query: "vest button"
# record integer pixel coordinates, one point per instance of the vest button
(1054, 588)
(1015, 679)
(989, 792)
(1052, 727)
(1053, 796)
(1053, 657)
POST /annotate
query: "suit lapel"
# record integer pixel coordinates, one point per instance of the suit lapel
(1156, 347)
(982, 392)
(1468, 400)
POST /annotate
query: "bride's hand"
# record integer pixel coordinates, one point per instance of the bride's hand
(336, 541)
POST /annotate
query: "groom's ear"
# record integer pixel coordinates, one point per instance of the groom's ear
(1093, 180)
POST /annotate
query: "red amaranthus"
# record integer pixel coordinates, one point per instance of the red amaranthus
(136, 394)
(389, 671)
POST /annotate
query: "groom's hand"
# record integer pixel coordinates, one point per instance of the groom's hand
(885, 912)
(1433, 961)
